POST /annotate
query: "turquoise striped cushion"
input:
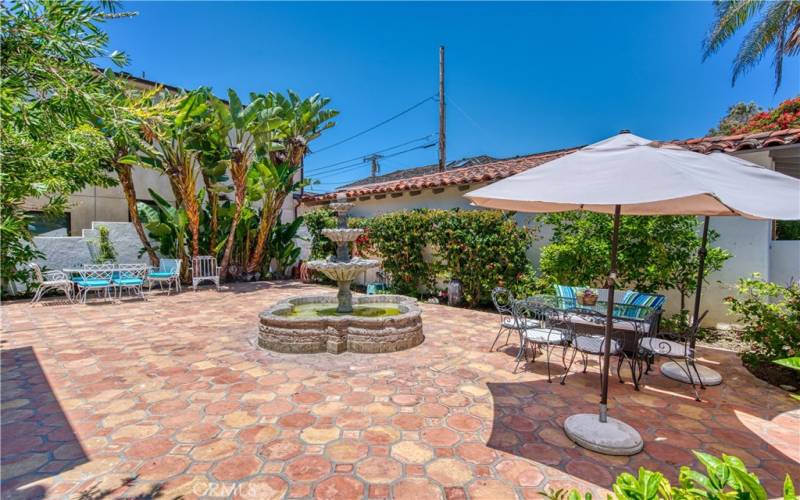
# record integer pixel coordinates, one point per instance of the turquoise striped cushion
(565, 291)
(640, 299)
(161, 274)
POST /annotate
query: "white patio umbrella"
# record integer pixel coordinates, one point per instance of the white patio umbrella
(630, 175)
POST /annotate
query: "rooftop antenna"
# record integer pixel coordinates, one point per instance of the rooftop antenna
(373, 158)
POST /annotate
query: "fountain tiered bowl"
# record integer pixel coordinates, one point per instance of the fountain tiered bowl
(341, 322)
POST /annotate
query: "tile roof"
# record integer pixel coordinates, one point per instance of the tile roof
(417, 171)
(500, 169)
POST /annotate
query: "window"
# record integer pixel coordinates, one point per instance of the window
(786, 230)
(42, 224)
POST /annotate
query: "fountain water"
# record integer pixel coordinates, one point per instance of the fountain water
(376, 323)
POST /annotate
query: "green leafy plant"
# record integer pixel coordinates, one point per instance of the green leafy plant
(166, 225)
(655, 253)
(105, 251)
(282, 247)
(770, 315)
(315, 222)
(50, 92)
(725, 478)
(482, 248)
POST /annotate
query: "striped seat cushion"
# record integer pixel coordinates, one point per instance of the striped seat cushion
(93, 282)
(161, 274)
(643, 300)
(128, 281)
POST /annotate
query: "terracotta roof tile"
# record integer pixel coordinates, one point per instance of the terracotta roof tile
(500, 169)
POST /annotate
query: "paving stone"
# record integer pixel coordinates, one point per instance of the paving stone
(174, 391)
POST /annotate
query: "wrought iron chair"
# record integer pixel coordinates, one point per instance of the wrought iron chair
(588, 339)
(50, 280)
(169, 272)
(503, 300)
(551, 330)
(204, 268)
(97, 278)
(678, 348)
(130, 277)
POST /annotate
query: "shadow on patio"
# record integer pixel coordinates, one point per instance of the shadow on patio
(37, 439)
(731, 419)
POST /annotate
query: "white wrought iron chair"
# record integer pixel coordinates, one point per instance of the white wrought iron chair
(50, 280)
(97, 278)
(130, 277)
(204, 268)
(169, 272)
(550, 330)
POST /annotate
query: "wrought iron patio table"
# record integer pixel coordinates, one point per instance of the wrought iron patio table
(640, 319)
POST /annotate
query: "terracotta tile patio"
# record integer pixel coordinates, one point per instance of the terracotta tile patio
(170, 398)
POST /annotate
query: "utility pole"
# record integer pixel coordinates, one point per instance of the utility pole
(442, 116)
(375, 167)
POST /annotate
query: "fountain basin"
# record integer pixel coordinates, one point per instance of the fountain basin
(342, 235)
(342, 271)
(379, 323)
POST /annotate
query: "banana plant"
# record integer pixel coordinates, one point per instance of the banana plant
(282, 247)
(170, 152)
(281, 152)
(238, 128)
(166, 225)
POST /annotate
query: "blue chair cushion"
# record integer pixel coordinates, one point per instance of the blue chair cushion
(92, 282)
(128, 281)
(161, 274)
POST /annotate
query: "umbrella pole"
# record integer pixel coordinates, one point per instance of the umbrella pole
(701, 265)
(601, 433)
(673, 370)
(611, 284)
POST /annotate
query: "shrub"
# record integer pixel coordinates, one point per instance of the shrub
(770, 314)
(723, 478)
(400, 238)
(105, 249)
(316, 221)
(655, 253)
(482, 248)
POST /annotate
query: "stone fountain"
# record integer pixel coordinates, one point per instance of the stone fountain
(368, 324)
(341, 268)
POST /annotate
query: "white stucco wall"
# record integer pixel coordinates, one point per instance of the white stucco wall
(73, 251)
(784, 261)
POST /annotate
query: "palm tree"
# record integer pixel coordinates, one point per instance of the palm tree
(170, 153)
(777, 29)
(238, 127)
(302, 121)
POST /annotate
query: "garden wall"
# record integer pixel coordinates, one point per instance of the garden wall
(72, 251)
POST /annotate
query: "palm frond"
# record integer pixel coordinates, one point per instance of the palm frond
(731, 15)
(769, 32)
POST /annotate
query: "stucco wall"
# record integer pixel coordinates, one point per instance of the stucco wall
(73, 251)
(784, 261)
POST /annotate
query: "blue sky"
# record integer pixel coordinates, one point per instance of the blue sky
(521, 77)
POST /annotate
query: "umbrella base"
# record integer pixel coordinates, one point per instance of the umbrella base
(612, 437)
(675, 371)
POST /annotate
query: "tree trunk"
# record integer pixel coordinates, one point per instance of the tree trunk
(126, 181)
(239, 186)
(213, 202)
(269, 214)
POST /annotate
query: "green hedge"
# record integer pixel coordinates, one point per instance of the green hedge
(482, 248)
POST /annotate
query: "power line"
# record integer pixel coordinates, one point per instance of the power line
(384, 122)
(360, 157)
(364, 160)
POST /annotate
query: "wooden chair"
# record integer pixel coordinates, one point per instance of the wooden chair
(204, 268)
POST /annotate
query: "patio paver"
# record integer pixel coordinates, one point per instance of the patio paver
(171, 397)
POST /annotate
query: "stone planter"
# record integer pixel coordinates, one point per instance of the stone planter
(281, 332)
